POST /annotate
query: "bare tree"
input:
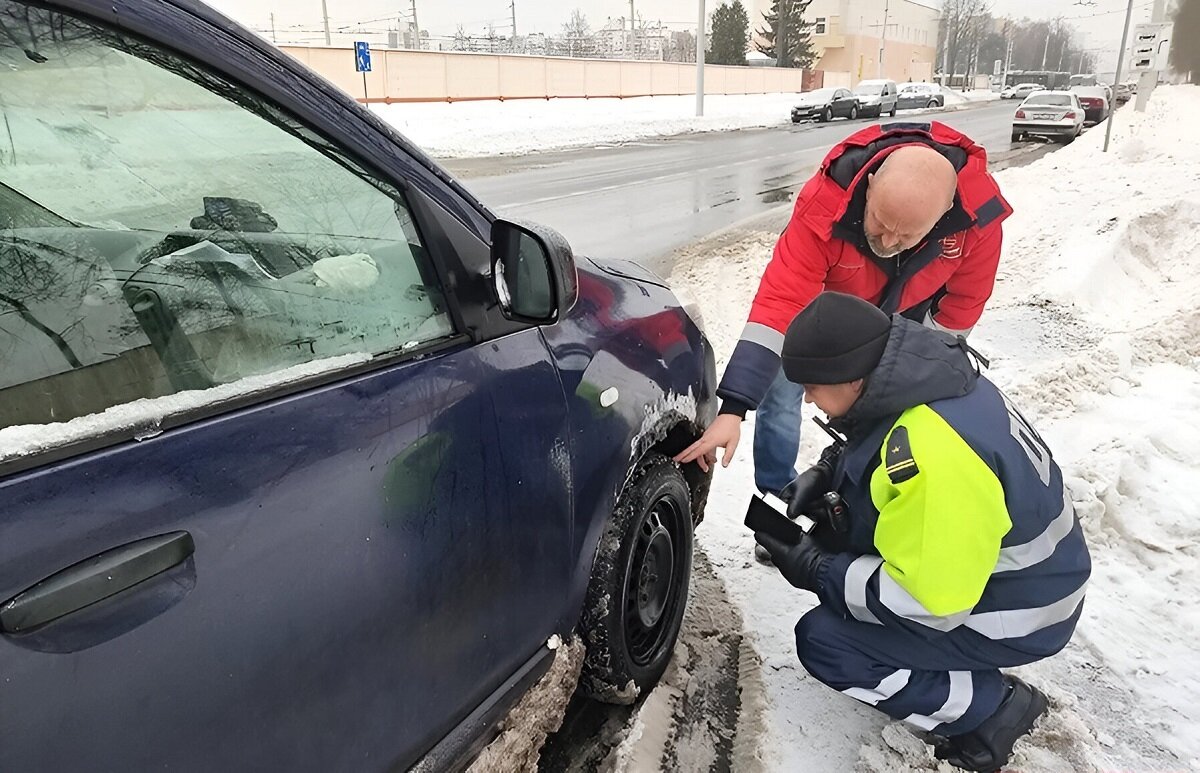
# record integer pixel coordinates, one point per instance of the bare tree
(963, 24)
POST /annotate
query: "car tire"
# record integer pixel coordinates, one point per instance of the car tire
(795, 119)
(1017, 136)
(638, 591)
(827, 116)
(853, 112)
(893, 113)
(933, 103)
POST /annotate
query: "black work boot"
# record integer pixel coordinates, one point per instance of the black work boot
(988, 747)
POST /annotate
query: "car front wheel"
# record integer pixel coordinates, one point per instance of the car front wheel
(933, 103)
(639, 585)
(827, 116)
(853, 112)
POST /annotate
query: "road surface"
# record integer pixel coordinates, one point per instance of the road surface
(642, 200)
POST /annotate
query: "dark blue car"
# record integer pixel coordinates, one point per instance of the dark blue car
(304, 455)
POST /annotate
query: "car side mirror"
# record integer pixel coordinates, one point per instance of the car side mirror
(533, 272)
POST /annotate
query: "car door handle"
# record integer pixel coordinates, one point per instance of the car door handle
(94, 579)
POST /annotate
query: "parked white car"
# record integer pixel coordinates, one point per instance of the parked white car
(1020, 91)
(1057, 115)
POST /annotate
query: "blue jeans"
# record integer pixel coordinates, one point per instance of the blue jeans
(777, 435)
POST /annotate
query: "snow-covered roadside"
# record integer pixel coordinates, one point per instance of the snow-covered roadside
(467, 129)
(956, 97)
(1093, 330)
(475, 129)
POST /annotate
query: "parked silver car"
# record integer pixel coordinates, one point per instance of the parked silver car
(1056, 115)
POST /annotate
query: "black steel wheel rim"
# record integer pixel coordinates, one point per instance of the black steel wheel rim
(652, 578)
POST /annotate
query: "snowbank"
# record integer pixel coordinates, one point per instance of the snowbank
(955, 97)
(465, 129)
(1094, 330)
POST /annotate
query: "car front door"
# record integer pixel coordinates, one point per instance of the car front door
(843, 102)
(284, 514)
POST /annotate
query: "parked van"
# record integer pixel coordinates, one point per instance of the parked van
(877, 97)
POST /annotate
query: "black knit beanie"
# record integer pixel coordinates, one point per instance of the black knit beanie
(836, 339)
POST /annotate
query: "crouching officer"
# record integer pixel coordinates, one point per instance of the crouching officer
(961, 553)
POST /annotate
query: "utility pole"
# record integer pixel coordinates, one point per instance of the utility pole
(273, 27)
(325, 16)
(1007, 63)
(513, 7)
(1148, 80)
(1120, 62)
(417, 26)
(632, 32)
(700, 30)
(785, 13)
(1046, 50)
(947, 76)
(882, 38)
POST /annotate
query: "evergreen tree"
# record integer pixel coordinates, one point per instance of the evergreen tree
(786, 36)
(730, 31)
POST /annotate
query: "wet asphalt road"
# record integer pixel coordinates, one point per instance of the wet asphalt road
(642, 200)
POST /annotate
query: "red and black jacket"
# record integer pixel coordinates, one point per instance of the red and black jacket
(944, 281)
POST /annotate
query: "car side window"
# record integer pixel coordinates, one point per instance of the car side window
(163, 230)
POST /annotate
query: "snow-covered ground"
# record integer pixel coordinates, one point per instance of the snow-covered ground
(467, 129)
(1094, 330)
(956, 97)
(472, 129)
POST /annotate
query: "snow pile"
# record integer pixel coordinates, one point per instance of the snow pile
(465, 129)
(1093, 329)
(956, 97)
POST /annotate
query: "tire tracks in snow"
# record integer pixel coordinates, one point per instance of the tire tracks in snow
(704, 716)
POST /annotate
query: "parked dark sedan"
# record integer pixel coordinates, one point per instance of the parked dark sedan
(825, 105)
(914, 96)
(1095, 101)
(307, 460)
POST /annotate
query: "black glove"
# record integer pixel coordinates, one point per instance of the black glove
(800, 564)
(806, 489)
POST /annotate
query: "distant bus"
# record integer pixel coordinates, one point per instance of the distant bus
(1048, 80)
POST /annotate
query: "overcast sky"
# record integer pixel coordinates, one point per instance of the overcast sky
(301, 19)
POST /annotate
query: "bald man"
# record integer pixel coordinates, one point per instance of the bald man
(904, 216)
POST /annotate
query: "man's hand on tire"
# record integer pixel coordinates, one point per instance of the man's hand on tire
(724, 432)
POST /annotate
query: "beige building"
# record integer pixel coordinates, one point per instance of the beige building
(847, 33)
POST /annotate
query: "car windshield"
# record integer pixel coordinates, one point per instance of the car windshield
(820, 95)
(869, 89)
(1056, 100)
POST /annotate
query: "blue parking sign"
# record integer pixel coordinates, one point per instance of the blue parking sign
(362, 56)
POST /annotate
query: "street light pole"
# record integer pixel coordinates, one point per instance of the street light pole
(882, 39)
(700, 35)
(1120, 63)
(325, 16)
